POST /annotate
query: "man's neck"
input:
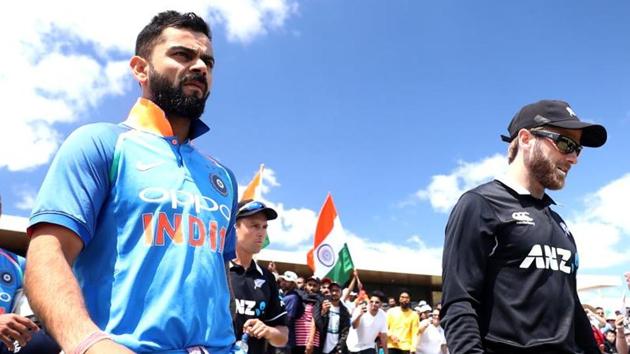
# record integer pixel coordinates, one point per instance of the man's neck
(181, 127)
(520, 175)
(243, 259)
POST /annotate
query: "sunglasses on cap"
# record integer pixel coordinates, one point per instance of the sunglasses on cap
(564, 144)
(253, 205)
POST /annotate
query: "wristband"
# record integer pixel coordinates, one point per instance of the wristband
(89, 341)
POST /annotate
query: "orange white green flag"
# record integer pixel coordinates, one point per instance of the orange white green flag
(252, 191)
(253, 188)
(330, 256)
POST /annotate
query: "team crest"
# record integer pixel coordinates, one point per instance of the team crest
(258, 283)
(218, 184)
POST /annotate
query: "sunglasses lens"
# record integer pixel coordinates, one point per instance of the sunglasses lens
(567, 146)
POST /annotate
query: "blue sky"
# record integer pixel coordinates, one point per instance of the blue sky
(394, 107)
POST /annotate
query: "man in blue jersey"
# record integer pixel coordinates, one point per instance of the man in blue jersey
(133, 225)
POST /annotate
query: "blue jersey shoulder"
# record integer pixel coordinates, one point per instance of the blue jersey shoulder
(78, 180)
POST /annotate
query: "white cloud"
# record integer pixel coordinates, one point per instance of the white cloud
(64, 57)
(27, 199)
(293, 231)
(602, 230)
(444, 190)
(413, 256)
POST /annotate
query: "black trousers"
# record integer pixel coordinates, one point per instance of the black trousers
(397, 351)
(365, 351)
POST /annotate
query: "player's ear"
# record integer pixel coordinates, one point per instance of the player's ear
(140, 69)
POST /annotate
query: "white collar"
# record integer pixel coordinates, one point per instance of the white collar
(515, 186)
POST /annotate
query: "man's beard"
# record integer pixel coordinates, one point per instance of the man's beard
(171, 98)
(405, 305)
(543, 169)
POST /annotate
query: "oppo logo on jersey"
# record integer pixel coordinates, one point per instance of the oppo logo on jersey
(183, 199)
(546, 257)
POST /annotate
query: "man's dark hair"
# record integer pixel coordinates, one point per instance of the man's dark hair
(379, 294)
(148, 37)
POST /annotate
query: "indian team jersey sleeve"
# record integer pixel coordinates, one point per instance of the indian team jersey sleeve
(77, 182)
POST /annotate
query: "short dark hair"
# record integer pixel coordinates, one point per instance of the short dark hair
(150, 34)
(379, 294)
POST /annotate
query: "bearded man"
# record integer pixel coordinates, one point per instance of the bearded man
(402, 326)
(133, 225)
(510, 261)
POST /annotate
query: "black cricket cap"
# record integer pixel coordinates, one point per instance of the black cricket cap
(250, 207)
(555, 113)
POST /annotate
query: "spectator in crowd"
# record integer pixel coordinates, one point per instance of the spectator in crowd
(609, 344)
(507, 253)
(133, 225)
(324, 286)
(391, 302)
(348, 295)
(332, 320)
(300, 283)
(423, 310)
(259, 312)
(402, 326)
(19, 329)
(431, 338)
(597, 317)
(292, 303)
(368, 323)
(622, 342)
(307, 337)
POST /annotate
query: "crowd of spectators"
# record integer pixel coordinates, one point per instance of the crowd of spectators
(326, 317)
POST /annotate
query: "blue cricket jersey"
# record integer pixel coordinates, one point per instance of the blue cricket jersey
(156, 218)
(11, 278)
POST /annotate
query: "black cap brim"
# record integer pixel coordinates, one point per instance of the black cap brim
(269, 213)
(593, 135)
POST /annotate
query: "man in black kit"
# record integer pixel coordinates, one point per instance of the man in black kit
(510, 262)
(259, 311)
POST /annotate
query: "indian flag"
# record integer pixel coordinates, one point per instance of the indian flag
(253, 192)
(330, 256)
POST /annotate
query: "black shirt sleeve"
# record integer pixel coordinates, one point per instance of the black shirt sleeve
(468, 243)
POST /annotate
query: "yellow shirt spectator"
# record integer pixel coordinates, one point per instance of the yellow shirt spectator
(402, 327)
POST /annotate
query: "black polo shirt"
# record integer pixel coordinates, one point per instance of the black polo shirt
(509, 276)
(256, 296)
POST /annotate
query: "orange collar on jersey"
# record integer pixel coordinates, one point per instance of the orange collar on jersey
(147, 116)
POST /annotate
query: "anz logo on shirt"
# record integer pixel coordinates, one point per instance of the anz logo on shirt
(248, 307)
(548, 257)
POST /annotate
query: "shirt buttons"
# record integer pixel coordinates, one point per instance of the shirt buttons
(174, 141)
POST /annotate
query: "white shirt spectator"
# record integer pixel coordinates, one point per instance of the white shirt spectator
(431, 340)
(363, 336)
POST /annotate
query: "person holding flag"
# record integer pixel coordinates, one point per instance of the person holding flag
(259, 311)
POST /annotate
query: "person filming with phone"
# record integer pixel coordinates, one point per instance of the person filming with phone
(368, 322)
(332, 319)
